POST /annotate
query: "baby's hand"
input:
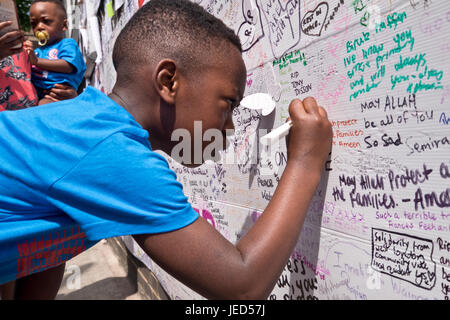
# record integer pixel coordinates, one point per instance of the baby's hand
(28, 47)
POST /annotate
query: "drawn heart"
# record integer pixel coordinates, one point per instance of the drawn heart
(431, 276)
(313, 21)
(246, 33)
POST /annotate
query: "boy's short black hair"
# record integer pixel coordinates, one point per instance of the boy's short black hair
(176, 29)
(57, 2)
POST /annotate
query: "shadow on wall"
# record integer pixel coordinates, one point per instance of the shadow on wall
(299, 279)
(303, 269)
(114, 288)
(89, 277)
(265, 123)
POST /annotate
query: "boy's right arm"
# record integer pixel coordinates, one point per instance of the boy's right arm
(59, 65)
(200, 257)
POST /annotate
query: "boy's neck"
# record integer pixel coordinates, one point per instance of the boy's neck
(54, 42)
(143, 113)
(136, 96)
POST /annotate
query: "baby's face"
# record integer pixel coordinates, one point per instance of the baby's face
(47, 16)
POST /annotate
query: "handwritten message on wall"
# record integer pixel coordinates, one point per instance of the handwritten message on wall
(378, 226)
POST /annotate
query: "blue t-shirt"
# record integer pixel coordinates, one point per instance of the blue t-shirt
(71, 175)
(67, 49)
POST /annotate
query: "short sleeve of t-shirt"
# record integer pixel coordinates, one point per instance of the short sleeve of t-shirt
(121, 187)
(70, 52)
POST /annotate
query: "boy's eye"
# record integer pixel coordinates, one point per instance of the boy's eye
(231, 103)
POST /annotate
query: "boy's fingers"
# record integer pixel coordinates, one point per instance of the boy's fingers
(17, 42)
(310, 105)
(58, 92)
(49, 97)
(323, 112)
(296, 107)
(61, 87)
(11, 36)
(5, 24)
(14, 51)
(63, 92)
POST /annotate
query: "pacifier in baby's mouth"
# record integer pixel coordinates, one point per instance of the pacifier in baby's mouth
(42, 36)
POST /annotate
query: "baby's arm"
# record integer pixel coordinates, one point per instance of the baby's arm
(58, 65)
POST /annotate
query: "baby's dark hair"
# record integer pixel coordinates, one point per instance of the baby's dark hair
(59, 4)
(176, 29)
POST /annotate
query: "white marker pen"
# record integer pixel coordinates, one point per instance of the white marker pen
(276, 134)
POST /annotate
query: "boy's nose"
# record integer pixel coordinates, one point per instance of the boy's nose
(228, 130)
(229, 125)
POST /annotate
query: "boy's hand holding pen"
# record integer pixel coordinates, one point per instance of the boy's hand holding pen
(308, 130)
(309, 140)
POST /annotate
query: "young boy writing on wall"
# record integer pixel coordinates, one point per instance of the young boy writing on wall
(175, 64)
(58, 60)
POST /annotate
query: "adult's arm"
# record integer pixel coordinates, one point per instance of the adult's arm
(61, 92)
(200, 257)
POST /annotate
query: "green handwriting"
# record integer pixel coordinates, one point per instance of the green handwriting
(418, 60)
(392, 21)
(290, 58)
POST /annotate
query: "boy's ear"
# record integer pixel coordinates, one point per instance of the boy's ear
(167, 80)
(65, 25)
